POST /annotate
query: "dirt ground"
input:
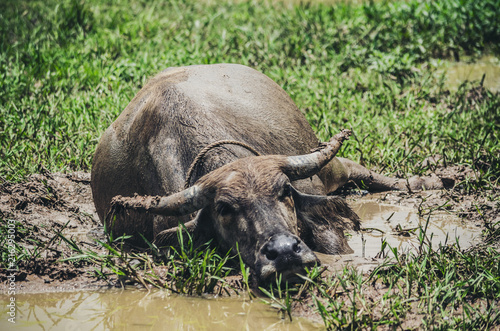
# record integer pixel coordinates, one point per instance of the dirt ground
(46, 204)
(49, 203)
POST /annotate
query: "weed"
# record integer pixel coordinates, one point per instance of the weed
(188, 269)
(12, 249)
(279, 296)
(196, 270)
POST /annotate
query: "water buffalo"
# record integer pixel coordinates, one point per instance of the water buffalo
(225, 151)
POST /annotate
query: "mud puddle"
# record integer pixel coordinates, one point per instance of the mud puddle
(400, 227)
(138, 310)
(459, 72)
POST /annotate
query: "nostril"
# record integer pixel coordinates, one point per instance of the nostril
(296, 248)
(271, 255)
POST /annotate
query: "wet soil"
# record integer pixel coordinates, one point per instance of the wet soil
(43, 206)
(47, 204)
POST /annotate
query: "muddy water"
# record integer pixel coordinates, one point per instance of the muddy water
(138, 310)
(459, 72)
(399, 227)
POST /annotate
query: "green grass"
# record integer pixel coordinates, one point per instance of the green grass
(13, 244)
(68, 68)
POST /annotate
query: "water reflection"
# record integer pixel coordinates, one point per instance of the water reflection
(399, 226)
(138, 310)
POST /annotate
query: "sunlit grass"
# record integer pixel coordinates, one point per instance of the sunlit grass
(69, 68)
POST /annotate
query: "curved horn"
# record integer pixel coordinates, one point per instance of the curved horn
(304, 166)
(180, 203)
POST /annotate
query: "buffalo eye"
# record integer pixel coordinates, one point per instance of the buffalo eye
(286, 192)
(225, 209)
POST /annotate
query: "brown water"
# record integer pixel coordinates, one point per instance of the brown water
(400, 227)
(139, 310)
(459, 72)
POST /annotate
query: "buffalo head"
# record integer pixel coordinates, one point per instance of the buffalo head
(251, 203)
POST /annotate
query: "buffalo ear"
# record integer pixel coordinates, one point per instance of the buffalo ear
(322, 222)
(199, 229)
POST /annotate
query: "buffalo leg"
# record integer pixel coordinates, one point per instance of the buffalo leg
(341, 171)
